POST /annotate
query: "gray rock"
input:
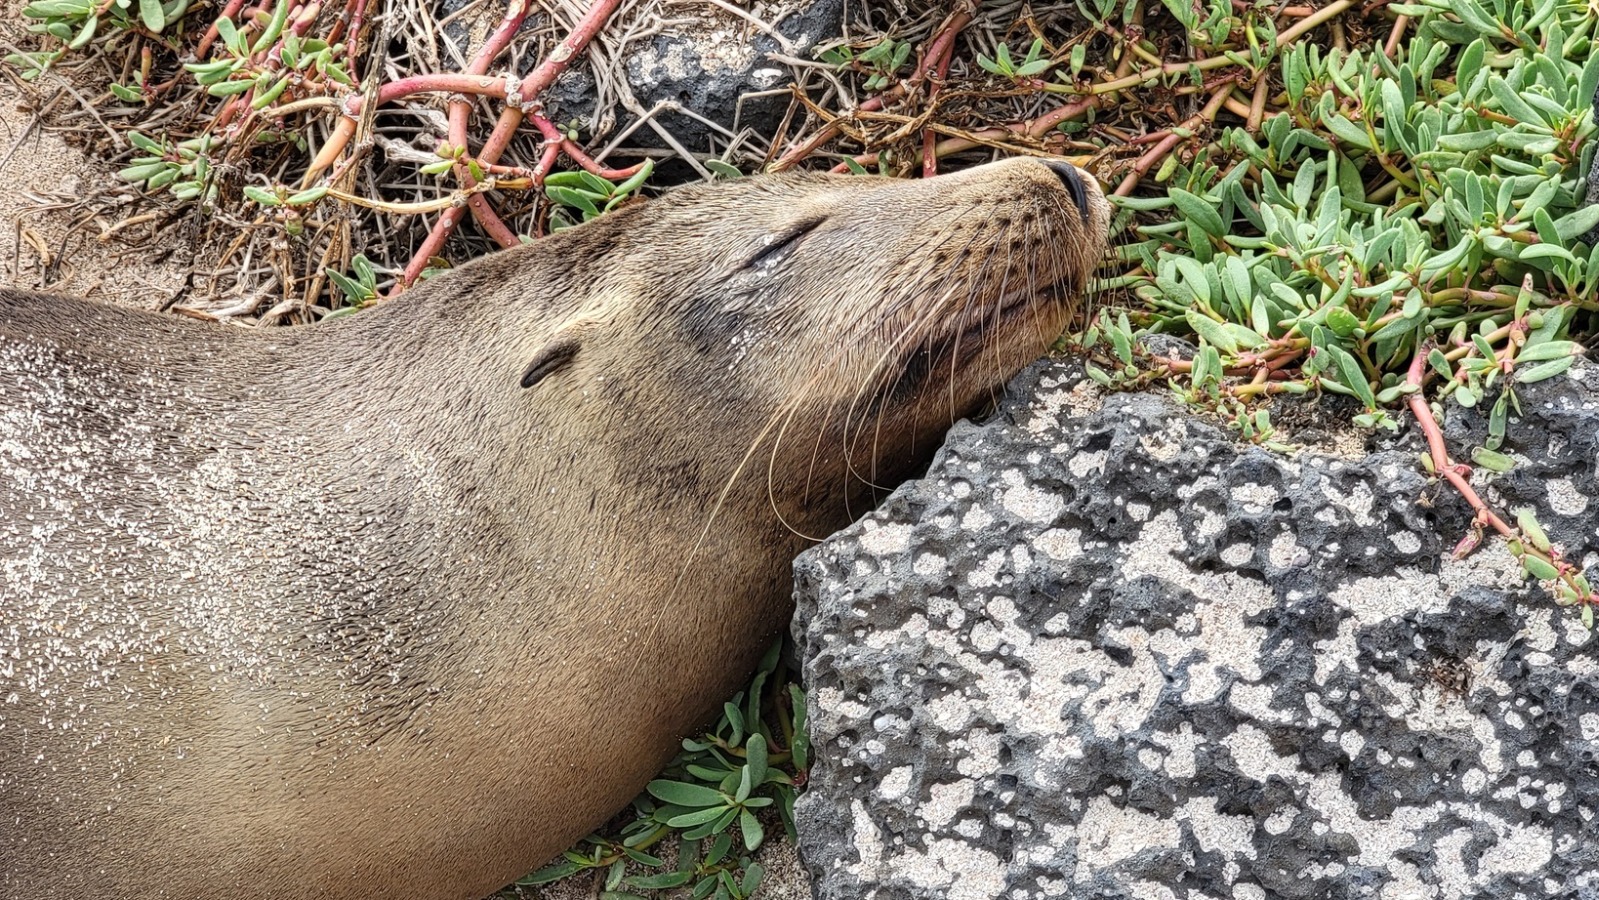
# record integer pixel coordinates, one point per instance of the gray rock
(1104, 650)
(705, 61)
(708, 69)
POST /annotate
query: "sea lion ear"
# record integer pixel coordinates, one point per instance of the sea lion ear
(552, 357)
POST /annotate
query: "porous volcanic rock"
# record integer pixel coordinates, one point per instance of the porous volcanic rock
(1106, 650)
(714, 69)
(715, 65)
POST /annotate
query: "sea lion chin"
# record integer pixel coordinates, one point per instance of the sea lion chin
(405, 603)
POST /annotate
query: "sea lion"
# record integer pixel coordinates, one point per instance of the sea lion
(403, 604)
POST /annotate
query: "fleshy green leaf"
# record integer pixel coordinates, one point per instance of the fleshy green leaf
(683, 794)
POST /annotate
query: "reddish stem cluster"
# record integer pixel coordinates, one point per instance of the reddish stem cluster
(1567, 576)
(520, 98)
(932, 69)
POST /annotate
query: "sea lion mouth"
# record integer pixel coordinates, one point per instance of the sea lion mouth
(1015, 305)
(1009, 307)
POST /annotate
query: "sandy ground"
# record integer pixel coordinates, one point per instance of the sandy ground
(55, 201)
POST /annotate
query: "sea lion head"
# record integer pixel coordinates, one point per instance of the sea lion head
(825, 329)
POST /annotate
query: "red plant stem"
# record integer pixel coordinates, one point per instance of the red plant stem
(830, 130)
(492, 46)
(590, 164)
(936, 70)
(1456, 474)
(1033, 128)
(337, 141)
(350, 23)
(541, 78)
(452, 82)
(809, 145)
(502, 171)
(511, 118)
(935, 62)
(342, 22)
(298, 26)
(943, 45)
(1157, 153)
(231, 11)
(233, 106)
(1281, 361)
(1151, 138)
(429, 249)
(1392, 46)
(546, 163)
(573, 44)
(555, 137)
(1257, 106)
(500, 137)
(487, 217)
(482, 210)
(459, 110)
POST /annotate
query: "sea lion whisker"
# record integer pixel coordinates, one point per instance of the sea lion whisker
(875, 386)
(919, 333)
(1037, 243)
(816, 448)
(847, 406)
(977, 329)
(931, 303)
(795, 403)
(658, 613)
(884, 380)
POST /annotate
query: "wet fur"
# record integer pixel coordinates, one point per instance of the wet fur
(403, 604)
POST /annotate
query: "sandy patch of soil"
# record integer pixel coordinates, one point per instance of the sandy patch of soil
(56, 200)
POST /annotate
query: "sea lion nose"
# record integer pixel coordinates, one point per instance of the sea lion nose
(1073, 180)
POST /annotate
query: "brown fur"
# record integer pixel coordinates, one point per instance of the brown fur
(346, 611)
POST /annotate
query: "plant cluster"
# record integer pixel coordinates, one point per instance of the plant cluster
(881, 63)
(588, 196)
(1401, 228)
(258, 73)
(1395, 219)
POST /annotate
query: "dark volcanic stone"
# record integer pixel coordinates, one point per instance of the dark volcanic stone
(706, 61)
(708, 69)
(1104, 650)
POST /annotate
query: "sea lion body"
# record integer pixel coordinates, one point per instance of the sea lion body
(348, 611)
